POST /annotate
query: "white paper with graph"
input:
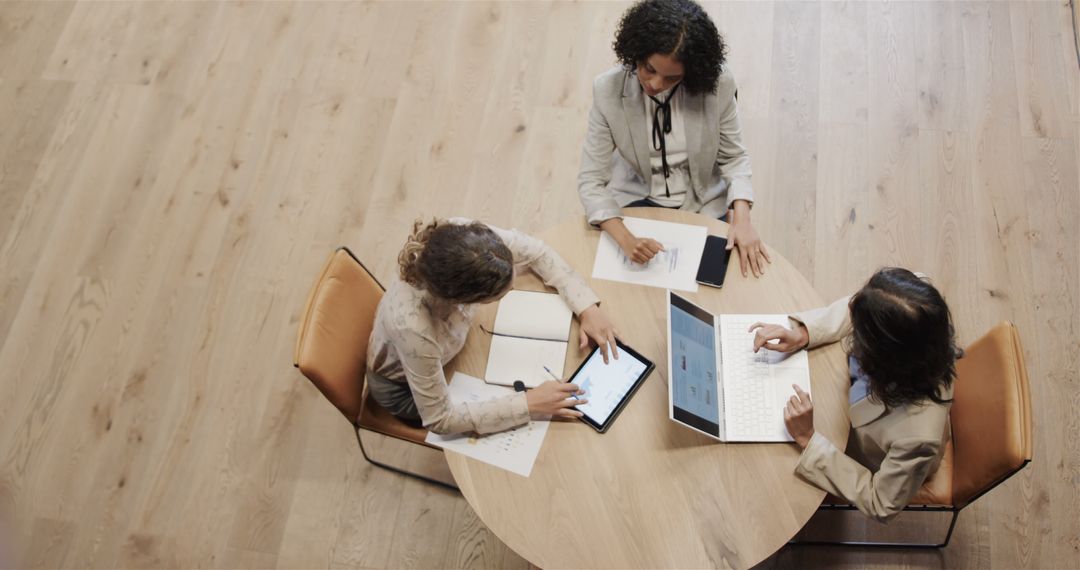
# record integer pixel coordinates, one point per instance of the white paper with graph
(756, 387)
(531, 331)
(514, 450)
(674, 268)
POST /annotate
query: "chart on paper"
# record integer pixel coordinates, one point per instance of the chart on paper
(664, 263)
(514, 450)
(673, 268)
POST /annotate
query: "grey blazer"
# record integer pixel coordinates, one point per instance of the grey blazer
(615, 159)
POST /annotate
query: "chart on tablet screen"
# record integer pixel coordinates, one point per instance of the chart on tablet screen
(606, 384)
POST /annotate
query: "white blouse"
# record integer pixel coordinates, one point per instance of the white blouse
(677, 157)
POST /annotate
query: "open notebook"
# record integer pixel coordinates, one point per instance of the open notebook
(531, 331)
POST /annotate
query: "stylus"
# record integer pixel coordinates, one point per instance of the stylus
(557, 379)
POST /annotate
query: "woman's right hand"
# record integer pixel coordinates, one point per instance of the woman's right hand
(554, 399)
(799, 417)
(641, 250)
(787, 340)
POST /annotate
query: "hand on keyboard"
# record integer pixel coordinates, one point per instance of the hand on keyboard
(799, 417)
(787, 340)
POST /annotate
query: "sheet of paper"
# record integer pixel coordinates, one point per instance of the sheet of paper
(533, 314)
(531, 332)
(674, 268)
(513, 359)
(770, 374)
(513, 450)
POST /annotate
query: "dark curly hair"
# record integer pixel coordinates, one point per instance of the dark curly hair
(678, 28)
(461, 263)
(903, 338)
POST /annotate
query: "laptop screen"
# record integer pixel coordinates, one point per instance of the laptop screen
(693, 366)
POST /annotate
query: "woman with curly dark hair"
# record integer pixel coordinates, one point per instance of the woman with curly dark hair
(664, 131)
(901, 359)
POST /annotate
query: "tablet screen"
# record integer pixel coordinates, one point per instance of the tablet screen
(606, 385)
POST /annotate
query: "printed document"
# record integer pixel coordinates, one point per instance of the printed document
(514, 450)
(674, 268)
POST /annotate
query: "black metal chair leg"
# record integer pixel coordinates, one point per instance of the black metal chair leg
(952, 525)
(433, 481)
(870, 544)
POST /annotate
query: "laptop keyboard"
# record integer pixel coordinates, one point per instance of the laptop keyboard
(751, 413)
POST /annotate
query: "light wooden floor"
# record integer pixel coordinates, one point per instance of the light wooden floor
(172, 175)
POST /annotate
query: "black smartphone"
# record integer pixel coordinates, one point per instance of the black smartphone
(714, 262)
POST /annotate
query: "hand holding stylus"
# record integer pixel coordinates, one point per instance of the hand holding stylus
(555, 399)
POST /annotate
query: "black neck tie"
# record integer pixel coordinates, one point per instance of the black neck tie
(661, 126)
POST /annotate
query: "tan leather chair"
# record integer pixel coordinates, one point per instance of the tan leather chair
(991, 432)
(331, 351)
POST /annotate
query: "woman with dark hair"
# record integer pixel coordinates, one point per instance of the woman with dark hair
(664, 131)
(446, 269)
(901, 359)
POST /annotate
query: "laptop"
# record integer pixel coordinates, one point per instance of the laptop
(718, 386)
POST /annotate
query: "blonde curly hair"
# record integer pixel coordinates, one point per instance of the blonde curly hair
(409, 258)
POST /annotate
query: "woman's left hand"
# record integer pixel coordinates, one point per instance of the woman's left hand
(595, 325)
(742, 235)
(799, 417)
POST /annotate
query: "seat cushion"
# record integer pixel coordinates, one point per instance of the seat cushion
(331, 347)
(376, 418)
(991, 413)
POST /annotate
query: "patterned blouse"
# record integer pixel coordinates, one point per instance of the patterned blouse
(415, 336)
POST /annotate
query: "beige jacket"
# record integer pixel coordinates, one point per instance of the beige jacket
(615, 167)
(893, 451)
(413, 340)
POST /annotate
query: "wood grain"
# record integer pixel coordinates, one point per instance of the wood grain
(172, 175)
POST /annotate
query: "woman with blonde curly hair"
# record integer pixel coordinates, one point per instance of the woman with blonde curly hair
(446, 268)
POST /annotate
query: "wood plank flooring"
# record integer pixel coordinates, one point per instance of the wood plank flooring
(173, 174)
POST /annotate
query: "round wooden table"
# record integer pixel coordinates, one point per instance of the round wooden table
(650, 493)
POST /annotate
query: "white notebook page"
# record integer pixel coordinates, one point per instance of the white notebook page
(533, 314)
(531, 332)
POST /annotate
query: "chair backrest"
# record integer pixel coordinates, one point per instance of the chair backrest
(991, 414)
(331, 347)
